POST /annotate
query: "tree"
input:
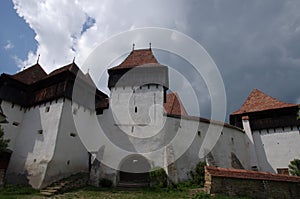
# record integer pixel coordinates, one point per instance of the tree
(294, 167)
(3, 142)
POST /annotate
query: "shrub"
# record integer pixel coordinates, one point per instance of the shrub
(198, 174)
(3, 142)
(294, 167)
(158, 177)
(104, 182)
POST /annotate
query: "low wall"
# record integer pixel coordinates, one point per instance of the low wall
(236, 182)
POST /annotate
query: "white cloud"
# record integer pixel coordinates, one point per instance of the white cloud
(67, 29)
(8, 45)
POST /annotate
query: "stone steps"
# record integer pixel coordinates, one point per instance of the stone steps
(74, 181)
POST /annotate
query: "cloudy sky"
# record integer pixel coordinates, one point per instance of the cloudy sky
(255, 44)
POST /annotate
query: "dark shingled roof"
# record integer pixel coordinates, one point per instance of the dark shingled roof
(30, 75)
(259, 101)
(137, 58)
(247, 174)
(73, 68)
(174, 106)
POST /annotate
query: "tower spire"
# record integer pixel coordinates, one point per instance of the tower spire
(150, 45)
(38, 59)
(133, 46)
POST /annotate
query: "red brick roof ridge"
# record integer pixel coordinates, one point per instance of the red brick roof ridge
(260, 101)
(248, 174)
(136, 58)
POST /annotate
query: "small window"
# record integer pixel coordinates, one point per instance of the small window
(148, 86)
(232, 140)
(68, 162)
(156, 85)
(135, 109)
(199, 133)
(132, 129)
(12, 105)
(40, 132)
(16, 123)
(73, 134)
(47, 109)
(74, 111)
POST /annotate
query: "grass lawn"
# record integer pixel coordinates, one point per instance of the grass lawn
(111, 193)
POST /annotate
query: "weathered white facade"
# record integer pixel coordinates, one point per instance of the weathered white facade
(276, 148)
(139, 129)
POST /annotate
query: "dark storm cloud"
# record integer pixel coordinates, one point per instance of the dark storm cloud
(255, 44)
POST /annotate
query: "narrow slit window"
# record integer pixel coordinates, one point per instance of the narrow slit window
(40, 132)
(16, 123)
(47, 109)
(135, 109)
(73, 134)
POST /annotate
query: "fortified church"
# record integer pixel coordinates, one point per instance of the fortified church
(139, 127)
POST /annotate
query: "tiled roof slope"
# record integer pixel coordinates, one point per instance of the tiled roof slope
(174, 106)
(259, 101)
(73, 68)
(136, 58)
(30, 75)
(247, 174)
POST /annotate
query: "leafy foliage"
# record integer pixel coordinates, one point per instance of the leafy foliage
(198, 174)
(3, 142)
(294, 167)
(158, 177)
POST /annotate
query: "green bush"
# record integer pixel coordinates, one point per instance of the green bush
(158, 177)
(3, 142)
(104, 182)
(198, 174)
(294, 167)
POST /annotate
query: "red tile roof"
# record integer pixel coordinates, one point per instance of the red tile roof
(247, 174)
(259, 101)
(136, 58)
(174, 106)
(30, 75)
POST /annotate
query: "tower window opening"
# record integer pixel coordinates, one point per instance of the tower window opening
(135, 109)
